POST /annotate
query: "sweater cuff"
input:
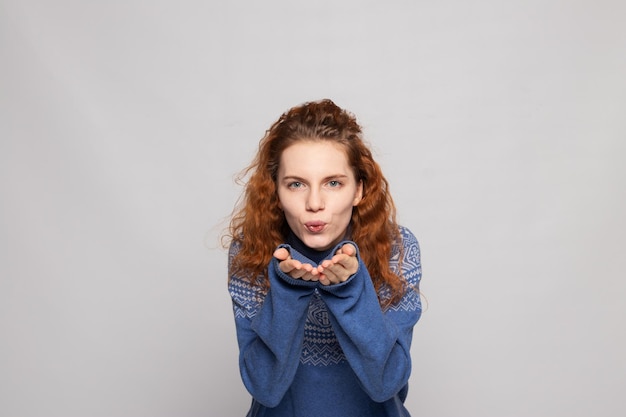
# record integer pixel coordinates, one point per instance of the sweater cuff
(286, 277)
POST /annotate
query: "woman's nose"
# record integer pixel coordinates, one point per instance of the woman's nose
(314, 201)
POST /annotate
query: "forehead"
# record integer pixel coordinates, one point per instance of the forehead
(314, 157)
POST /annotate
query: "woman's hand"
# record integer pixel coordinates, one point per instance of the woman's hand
(341, 267)
(331, 271)
(294, 268)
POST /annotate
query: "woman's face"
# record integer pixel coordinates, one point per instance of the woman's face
(317, 191)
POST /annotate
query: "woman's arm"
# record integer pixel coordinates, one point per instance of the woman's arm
(376, 343)
(270, 331)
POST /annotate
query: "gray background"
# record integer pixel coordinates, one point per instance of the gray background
(500, 126)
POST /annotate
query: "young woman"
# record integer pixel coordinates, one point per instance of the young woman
(324, 283)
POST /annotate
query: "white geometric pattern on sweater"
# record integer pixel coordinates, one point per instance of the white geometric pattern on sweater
(247, 298)
(320, 346)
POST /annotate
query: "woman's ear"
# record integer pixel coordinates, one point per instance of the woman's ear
(358, 196)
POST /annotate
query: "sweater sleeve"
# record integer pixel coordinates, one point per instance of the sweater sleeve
(270, 331)
(377, 343)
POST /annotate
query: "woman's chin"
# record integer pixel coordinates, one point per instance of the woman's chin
(319, 243)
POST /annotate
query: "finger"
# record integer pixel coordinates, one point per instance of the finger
(332, 275)
(300, 270)
(345, 269)
(348, 262)
(297, 273)
(281, 254)
(323, 279)
(331, 269)
(289, 265)
(303, 273)
(310, 276)
(327, 263)
(348, 249)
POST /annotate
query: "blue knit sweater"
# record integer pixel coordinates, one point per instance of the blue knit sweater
(326, 351)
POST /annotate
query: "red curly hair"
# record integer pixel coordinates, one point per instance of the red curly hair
(258, 225)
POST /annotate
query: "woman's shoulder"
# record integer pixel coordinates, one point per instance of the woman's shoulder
(407, 252)
(234, 246)
(408, 239)
(406, 234)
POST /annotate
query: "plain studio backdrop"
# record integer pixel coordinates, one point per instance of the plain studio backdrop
(501, 127)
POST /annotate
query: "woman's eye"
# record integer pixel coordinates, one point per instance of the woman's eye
(334, 183)
(295, 184)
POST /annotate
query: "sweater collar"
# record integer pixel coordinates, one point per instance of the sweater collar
(314, 255)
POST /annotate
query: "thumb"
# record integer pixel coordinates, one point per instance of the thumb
(281, 254)
(348, 249)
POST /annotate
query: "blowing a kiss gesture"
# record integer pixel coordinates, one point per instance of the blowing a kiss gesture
(331, 271)
(315, 192)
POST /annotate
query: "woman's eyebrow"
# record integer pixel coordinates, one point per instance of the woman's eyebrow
(326, 178)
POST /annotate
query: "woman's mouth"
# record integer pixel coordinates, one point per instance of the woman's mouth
(315, 226)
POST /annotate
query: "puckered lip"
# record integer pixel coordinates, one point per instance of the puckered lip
(315, 223)
(315, 226)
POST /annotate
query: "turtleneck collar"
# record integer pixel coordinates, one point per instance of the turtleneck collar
(314, 255)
